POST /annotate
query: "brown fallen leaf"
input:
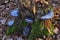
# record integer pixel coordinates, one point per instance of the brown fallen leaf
(48, 25)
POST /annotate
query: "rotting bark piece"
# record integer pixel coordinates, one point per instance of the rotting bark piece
(5, 13)
(2, 7)
(6, 1)
(11, 5)
(19, 38)
(0, 32)
(15, 1)
(9, 39)
(2, 1)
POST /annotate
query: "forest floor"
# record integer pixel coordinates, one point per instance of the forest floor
(7, 5)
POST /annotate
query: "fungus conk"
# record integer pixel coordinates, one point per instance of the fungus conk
(49, 15)
(14, 12)
(26, 30)
(29, 20)
(10, 23)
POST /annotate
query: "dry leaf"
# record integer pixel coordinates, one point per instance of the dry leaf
(48, 25)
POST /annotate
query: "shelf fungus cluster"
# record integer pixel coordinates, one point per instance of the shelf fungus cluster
(26, 14)
(36, 8)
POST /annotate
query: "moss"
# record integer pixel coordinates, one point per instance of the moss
(38, 30)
